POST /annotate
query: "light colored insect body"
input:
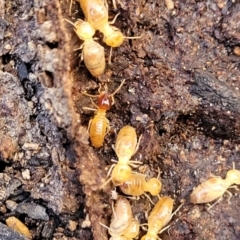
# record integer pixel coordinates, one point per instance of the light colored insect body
(98, 128)
(132, 230)
(125, 148)
(210, 190)
(94, 57)
(159, 217)
(136, 185)
(93, 53)
(121, 218)
(96, 13)
(126, 143)
(18, 226)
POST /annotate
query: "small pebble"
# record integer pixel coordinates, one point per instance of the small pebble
(26, 174)
(11, 205)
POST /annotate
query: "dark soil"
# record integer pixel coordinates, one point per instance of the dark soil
(181, 93)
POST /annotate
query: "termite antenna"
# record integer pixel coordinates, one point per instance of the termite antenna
(70, 22)
(118, 89)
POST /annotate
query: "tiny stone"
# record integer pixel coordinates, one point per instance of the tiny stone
(8, 47)
(72, 225)
(3, 209)
(11, 205)
(86, 223)
(26, 174)
(30, 146)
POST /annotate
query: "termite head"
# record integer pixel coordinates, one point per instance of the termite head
(154, 186)
(84, 29)
(120, 174)
(233, 176)
(104, 101)
(114, 38)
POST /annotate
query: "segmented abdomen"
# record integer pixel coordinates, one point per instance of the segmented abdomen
(98, 130)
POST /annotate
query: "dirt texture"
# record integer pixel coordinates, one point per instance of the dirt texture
(181, 93)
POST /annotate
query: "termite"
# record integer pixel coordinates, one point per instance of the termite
(18, 226)
(215, 187)
(96, 13)
(125, 147)
(159, 218)
(123, 226)
(92, 52)
(137, 185)
(99, 125)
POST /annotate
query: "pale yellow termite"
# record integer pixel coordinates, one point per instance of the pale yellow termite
(137, 185)
(159, 218)
(123, 226)
(96, 13)
(99, 124)
(18, 226)
(92, 52)
(125, 147)
(214, 188)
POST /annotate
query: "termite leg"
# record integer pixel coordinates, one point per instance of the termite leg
(176, 210)
(103, 225)
(210, 206)
(70, 7)
(110, 170)
(164, 229)
(135, 164)
(108, 127)
(67, 20)
(94, 104)
(114, 5)
(137, 147)
(89, 95)
(110, 56)
(89, 124)
(80, 48)
(230, 195)
(109, 180)
(114, 214)
(88, 108)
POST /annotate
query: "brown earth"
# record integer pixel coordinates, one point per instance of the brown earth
(181, 93)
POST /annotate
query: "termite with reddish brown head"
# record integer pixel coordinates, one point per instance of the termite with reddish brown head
(99, 125)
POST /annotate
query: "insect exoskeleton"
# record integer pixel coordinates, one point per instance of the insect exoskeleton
(159, 218)
(99, 125)
(92, 52)
(136, 185)
(125, 147)
(209, 190)
(96, 13)
(215, 187)
(123, 225)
